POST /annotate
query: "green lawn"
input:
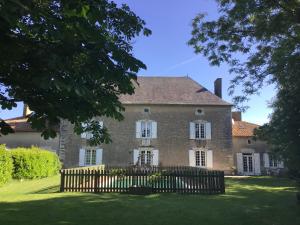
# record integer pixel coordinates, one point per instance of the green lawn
(252, 201)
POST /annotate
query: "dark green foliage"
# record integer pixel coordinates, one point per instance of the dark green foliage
(6, 165)
(260, 40)
(34, 162)
(67, 60)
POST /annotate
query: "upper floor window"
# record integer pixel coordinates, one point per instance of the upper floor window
(200, 130)
(146, 129)
(88, 134)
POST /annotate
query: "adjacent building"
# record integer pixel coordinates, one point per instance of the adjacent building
(252, 157)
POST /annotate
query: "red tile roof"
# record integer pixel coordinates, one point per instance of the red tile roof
(20, 124)
(243, 129)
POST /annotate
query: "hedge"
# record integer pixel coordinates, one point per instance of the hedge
(6, 165)
(34, 162)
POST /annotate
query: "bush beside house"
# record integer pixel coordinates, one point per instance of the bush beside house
(34, 162)
(6, 165)
(27, 163)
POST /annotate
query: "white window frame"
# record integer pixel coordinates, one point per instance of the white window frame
(273, 161)
(90, 157)
(200, 158)
(200, 130)
(146, 157)
(146, 129)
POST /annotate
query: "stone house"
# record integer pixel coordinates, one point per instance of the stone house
(25, 136)
(251, 157)
(168, 121)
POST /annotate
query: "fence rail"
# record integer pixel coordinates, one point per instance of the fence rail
(158, 179)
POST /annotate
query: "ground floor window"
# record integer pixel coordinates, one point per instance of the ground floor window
(146, 157)
(248, 162)
(90, 157)
(273, 161)
(200, 158)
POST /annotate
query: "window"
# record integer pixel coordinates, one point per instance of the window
(146, 110)
(249, 142)
(200, 131)
(273, 161)
(199, 112)
(146, 157)
(146, 129)
(200, 158)
(87, 134)
(90, 157)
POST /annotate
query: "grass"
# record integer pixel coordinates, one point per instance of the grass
(255, 200)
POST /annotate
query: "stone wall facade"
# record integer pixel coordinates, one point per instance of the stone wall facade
(28, 139)
(172, 139)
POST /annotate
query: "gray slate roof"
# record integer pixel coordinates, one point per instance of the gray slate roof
(171, 90)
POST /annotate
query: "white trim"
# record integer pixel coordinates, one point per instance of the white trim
(99, 153)
(81, 156)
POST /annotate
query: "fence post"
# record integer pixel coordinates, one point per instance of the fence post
(62, 180)
(222, 183)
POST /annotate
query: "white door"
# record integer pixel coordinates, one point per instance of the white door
(248, 164)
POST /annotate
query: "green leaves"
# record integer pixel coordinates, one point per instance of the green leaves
(260, 40)
(67, 59)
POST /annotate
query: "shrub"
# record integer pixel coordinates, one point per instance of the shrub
(34, 162)
(6, 165)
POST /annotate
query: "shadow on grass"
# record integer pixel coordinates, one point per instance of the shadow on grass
(240, 207)
(48, 190)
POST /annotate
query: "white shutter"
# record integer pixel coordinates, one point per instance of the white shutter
(138, 129)
(209, 159)
(266, 160)
(84, 134)
(280, 164)
(135, 156)
(99, 156)
(154, 129)
(208, 131)
(239, 163)
(192, 160)
(155, 157)
(256, 164)
(192, 130)
(81, 156)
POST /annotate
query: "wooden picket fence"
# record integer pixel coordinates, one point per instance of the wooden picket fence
(160, 179)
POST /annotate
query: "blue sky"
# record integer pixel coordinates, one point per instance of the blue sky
(166, 52)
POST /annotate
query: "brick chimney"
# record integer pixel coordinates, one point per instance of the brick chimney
(237, 116)
(218, 87)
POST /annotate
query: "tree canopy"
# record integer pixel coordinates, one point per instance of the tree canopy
(260, 40)
(67, 60)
